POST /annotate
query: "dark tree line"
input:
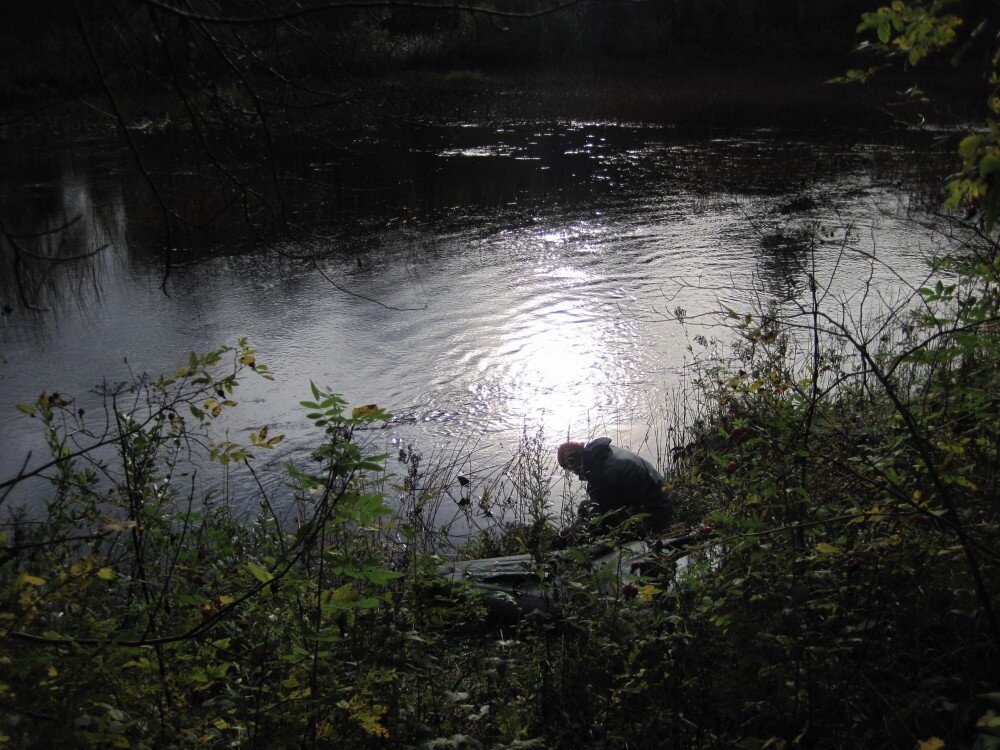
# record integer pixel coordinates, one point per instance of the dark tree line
(147, 41)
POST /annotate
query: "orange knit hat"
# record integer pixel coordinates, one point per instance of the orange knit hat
(566, 450)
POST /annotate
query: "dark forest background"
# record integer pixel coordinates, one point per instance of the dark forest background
(318, 50)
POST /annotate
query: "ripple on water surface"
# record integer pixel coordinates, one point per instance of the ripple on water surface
(497, 282)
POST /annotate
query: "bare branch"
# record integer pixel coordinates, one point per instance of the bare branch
(360, 5)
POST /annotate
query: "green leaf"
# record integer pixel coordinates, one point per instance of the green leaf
(262, 575)
(381, 577)
(969, 146)
(989, 164)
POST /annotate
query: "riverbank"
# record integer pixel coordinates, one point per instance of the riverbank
(701, 97)
(696, 97)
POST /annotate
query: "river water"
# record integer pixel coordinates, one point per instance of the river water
(482, 283)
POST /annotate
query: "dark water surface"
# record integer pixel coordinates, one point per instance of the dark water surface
(492, 281)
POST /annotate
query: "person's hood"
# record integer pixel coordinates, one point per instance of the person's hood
(596, 451)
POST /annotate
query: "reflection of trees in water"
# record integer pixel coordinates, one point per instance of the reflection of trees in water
(782, 264)
(348, 193)
(780, 241)
(58, 241)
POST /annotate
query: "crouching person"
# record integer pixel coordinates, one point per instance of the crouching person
(624, 491)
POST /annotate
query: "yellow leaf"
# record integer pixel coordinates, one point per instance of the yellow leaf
(225, 600)
(647, 592)
(108, 574)
(345, 593)
(934, 743)
(51, 671)
(360, 412)
(25, 579)
(989, 721)
(112, 524)
(827, 549)
(220, 723)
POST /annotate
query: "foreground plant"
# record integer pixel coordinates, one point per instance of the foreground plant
(140, 614)
(909, 34)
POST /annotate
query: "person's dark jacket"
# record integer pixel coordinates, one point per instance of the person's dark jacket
(623, 484)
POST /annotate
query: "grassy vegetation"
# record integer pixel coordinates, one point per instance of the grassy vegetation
(851, 479)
